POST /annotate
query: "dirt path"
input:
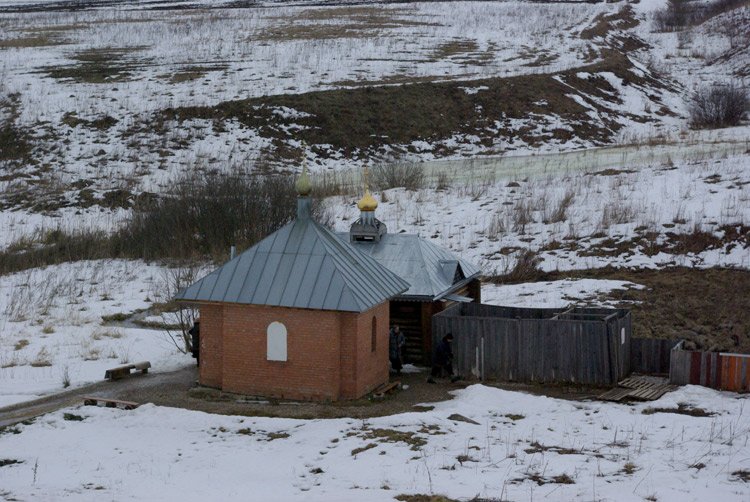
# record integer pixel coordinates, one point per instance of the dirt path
(178, 389)
(115, 390)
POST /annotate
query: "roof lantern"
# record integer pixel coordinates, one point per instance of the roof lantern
(367, 228)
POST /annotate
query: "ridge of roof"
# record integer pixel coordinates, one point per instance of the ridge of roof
(303, 265)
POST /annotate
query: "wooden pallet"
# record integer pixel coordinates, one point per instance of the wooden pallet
(640, 387)
(387, 388)
(109, 403)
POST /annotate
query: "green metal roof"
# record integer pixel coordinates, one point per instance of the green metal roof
(301, 265)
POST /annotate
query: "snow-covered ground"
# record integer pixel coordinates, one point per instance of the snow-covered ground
(552, 294)
(521, 447)
(275, 50)
(52, 334)
(577, 219)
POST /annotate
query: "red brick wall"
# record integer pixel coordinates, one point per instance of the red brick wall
(372, 367)
(329, 354)
(311, 370)
(211, 351)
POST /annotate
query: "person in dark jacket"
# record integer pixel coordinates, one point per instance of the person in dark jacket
(396, 342)
(442, 360)
(195, 341)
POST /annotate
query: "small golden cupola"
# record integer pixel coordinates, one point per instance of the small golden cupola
(367, 228)
(367, 202)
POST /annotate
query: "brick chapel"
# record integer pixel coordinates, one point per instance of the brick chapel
(305, 313)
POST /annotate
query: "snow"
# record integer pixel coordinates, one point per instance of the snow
(51, 328)
(552, 294)
(609, 452)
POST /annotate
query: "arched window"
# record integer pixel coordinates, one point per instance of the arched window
(276, 342)
(374, 336)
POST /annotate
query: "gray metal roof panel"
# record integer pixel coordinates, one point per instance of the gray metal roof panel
(234, 288)
(263, 286)
(322, 283)
(297, 273)
(224, 278)
(418, 261)
(281, 279)
(253, 274)
(301, 265)
(304, 292)
(363, 266)
(333, 294)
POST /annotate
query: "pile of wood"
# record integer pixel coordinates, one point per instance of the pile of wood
(639, 387)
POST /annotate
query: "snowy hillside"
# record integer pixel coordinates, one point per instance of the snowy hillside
(120, 99)
(548, 142)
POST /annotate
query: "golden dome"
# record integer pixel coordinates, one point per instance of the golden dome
(303, 185)
(368, 202)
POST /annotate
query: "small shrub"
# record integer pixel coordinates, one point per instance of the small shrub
(368, 446)
(561, 211)
(398, 174)
(118, 317)
(629, 468)
(718, 105)
(65, 377)
(443, 181)
(71, 417)
(525, 269)
(106, 333)
(48, 330)
(20, 344)
(522, 216)
(42, 359)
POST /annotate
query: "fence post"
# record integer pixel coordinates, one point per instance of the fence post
(482, 351)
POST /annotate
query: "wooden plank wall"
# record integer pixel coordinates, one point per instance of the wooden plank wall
(536, 349)
(717, 370)
(650, 355)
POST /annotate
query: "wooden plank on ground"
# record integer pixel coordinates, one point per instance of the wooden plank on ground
(386, 388)
(640, 387)
(109, 403)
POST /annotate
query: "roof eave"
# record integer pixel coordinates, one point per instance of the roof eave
(458, 285)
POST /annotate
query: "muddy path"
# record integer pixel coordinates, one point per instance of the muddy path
(134, 386)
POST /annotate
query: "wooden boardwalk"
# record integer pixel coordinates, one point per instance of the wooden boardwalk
(639, 387)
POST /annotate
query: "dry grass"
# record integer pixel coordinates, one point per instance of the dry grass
(42, 359)
(463, 51)
(98, 66)
(33, 40)
(336, 23)
(20, 344)
(193, 72)
(709, 308)
(354, 121)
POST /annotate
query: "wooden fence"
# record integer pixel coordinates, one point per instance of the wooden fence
(581, 345)
(650, 355)
(718, 370)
